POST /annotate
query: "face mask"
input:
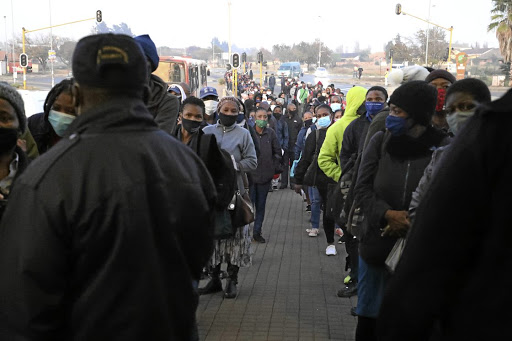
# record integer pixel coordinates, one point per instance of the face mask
(190, 126)
(278, 115)
(272, 107)
(396, 125)
(335, 106)
(293, 112)
(324, 122)
(261, 123)
(60, 121)
(240, 117)
(441, 96)
(8, 139)
(210, 106)
(373, 108)
(251, 122)
(227, 120)
(324, 94)
(269, 93)
(308, 123)
(457, 119)
(314, 119)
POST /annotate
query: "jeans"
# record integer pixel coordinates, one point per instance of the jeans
(316, 206)
(370, 288)
(258, 193)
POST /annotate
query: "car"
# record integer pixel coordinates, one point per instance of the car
(321, 72)
(290, 69)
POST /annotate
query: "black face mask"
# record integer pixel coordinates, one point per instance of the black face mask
(308, 123)
(278, 115)
(227, 120)
(190, 126)
(293, 112)
(8, 139)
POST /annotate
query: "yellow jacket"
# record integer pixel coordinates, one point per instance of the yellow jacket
(329, 157)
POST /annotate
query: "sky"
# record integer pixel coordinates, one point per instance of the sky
(261, 23)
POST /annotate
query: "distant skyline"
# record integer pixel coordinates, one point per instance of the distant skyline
(371, 23)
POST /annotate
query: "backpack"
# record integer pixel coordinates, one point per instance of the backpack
(220, 166)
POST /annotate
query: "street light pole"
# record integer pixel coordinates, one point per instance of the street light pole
(428, 29)
(51, 42)
(229, 28)
(12, 56)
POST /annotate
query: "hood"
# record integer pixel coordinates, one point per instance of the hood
(355, 97)
(183, 95)
(157, 91)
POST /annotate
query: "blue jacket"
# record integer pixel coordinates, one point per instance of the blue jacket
(301, 140)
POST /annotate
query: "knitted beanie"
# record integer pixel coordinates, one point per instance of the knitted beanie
(416, 98)
(226, 99)
(149, 48)
(12, 96)
(440, 73)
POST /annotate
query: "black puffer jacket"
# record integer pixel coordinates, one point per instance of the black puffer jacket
(390, 171)
(120, 223)
(269, 155)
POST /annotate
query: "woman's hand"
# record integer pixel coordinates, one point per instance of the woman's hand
(398, 223)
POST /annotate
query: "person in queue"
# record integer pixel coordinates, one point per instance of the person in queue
(161, 104)
(236, 251)
(104, 255)
(353, 142)
(49, 126)
(210, 97)
(441, 80)
(318, 182)
(13, 160)
(390, 170)
(462, 99)
(268, 158)
(293, 124)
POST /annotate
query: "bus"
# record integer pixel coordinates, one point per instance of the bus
(175, 70)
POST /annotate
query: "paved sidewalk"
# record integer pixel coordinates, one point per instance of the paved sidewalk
(289, 293)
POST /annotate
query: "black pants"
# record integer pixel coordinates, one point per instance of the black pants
(352, 247)
(366, 329)
(327, 222)
(288, 158)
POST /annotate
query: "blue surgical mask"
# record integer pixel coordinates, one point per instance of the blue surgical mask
(324, 122)
(60, 121)
(374, 107)
(240, 117)
(335, 106)
(457, 119)
(396, 125)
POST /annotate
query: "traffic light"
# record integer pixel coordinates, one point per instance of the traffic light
(398, 9)
(391, 54)
(265, 63)
(260, 57)
(23, 60)
(244, 57)
(236, 60)
(99, 16)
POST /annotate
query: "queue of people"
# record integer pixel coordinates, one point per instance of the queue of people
(137, 190)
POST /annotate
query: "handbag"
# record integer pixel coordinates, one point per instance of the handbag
(242, 212)
(395, 254)
(311, 172)
(294, 166)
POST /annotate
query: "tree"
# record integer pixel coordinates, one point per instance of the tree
(122, 28)
(501, 22)
(65, 50)
(437, 45)
(37, 47)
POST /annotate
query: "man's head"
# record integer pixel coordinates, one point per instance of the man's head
(375, 101)
(260, 118)
(149, 48)
(107, 66)
(208, 93)
(462, 98)
(192, 114)
(441, 79)
(291, 109)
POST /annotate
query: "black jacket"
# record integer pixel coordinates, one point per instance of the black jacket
(120, 223)
(312, 146)
(272, 81)
(163, 105)
(294, 124)
(42, 131)
(353, 139)
(461, 232)
(390, 170)
(269, 155)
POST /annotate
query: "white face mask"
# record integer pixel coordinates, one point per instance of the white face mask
(269, 93)
(210, 106)
(272, 107)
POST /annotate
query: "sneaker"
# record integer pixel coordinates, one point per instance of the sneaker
(339, 232)
(353, 311)
(313, 232)
(331, 250)
(308, 208)
(341, 240)
(258, 238)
